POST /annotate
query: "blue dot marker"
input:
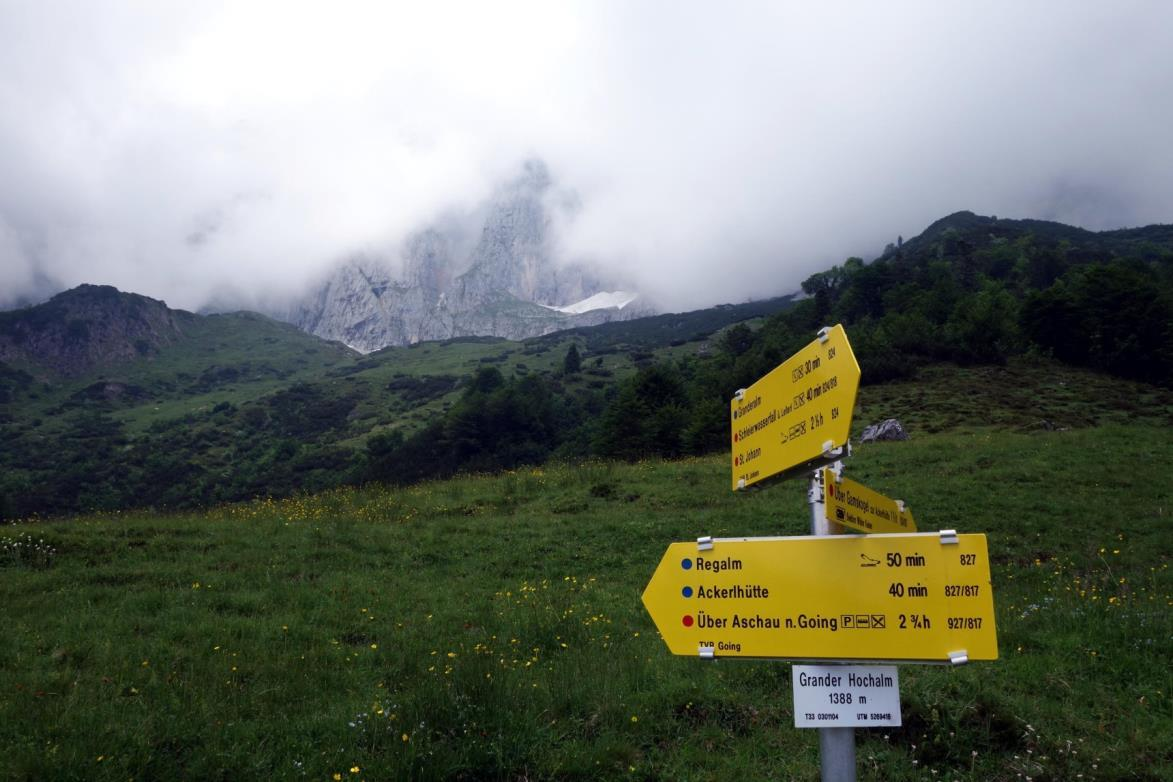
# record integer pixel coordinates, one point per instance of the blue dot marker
(686, 564)
(687, 591)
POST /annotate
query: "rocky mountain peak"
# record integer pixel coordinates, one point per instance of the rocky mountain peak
(513, 253)
(505, 282)
(428, 263)
(88, 326)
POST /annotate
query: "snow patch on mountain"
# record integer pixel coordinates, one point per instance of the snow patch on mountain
(603, 300)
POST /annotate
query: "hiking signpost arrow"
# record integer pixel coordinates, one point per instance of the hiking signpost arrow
(896, 596)
(798, 415)
(910, 597)
(854, 505)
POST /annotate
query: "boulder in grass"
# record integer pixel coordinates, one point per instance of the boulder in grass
(888, 429)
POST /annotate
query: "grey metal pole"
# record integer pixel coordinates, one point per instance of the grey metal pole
(836, 745)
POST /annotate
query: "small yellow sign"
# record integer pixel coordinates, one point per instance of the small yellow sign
(917, 598)
(856, 506)
(800, 409)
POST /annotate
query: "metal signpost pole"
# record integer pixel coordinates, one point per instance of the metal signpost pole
(836, 745)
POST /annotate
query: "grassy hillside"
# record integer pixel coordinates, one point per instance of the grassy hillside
(233, 357)
(491, 627)
(241, 358)
(239, 405)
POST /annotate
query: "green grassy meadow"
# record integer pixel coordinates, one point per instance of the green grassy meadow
(490, 627)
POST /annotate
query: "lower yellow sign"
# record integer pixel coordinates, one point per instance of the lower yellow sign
(856, 506)
(918, 597)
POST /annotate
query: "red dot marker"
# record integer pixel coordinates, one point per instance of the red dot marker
(687, 620)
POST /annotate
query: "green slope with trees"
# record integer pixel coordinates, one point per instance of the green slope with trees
(241, 406)
(235, 406)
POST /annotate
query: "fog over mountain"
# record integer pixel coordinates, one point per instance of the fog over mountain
(234, 153)
(508, 283)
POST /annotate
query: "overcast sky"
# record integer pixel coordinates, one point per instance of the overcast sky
(721, 151)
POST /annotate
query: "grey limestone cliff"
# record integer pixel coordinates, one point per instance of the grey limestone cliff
(508, 284)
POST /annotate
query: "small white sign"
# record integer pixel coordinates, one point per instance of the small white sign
(846, 696)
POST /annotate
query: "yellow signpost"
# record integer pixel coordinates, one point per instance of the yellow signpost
(856, 506)
(909, 597)
(795, 414)
(893, 596)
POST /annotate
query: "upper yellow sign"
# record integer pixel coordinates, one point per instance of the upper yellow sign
(796, 412)
(918, 597)
(854, 505)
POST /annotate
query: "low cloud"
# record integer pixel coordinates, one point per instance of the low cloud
(233, 152)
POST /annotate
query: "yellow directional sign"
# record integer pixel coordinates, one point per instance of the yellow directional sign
(856, 506)
(800, 409)
(916, 597)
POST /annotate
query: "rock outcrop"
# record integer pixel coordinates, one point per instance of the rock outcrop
(86, 327)
(888, 429)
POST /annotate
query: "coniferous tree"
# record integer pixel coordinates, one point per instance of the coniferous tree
(573, 361)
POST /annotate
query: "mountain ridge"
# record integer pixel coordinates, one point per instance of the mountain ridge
(231, 406)
(88, 326)
(96, 325)
(1048, 231)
